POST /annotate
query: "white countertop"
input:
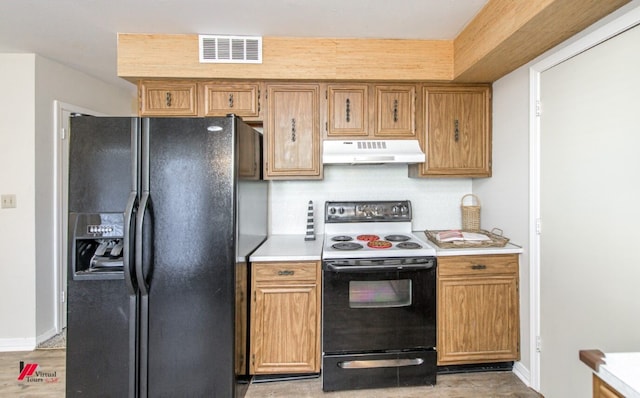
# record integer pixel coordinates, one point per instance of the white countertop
(622, 371)
(294, 248)
(289, 248)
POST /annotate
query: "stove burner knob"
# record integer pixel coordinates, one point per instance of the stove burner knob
(332, 210)
(341, 210)
(394, 210)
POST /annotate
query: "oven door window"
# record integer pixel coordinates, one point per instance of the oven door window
(380, 293)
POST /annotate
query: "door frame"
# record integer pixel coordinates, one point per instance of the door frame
(62, 111)
(625, 19)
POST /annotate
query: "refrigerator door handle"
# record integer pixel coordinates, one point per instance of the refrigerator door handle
(127, 255)
(143, 346)
(139, 244)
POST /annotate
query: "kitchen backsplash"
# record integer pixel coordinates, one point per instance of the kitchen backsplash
(435, 201)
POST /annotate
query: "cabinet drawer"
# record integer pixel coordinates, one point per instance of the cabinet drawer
(293, 271)
(480, 265)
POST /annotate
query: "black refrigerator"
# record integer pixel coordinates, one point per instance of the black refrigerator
(163, 214)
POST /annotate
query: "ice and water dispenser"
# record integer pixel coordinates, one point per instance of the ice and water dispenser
(96, 245)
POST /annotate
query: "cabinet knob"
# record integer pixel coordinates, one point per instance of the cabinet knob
(285, 272)
(395, 111)
(456, 131)
(348, 110)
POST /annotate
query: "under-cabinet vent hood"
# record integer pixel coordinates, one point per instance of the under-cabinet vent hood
(371, 152)
(230, 49)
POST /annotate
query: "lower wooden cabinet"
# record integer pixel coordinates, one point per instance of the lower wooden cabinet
(285, 318)
(478, 314)
(603, 390)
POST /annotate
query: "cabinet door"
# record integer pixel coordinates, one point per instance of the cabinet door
(292, 133)
(249, 155)
(458, 135)
(478, 315)
(603, 390)
(167, 98)
(285, 333)
(241, 99)
(285, 318)
(348, 110)
(241, 318)
(395, 111)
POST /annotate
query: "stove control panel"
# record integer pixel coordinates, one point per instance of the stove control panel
(364, 211)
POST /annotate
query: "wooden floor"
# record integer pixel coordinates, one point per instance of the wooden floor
(51, 364)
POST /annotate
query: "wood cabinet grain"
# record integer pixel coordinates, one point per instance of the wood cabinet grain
(604, 390)
(456, 131)
(167, 98)
(242, 99)
(285, 318)
(292, 132)
(478, 314)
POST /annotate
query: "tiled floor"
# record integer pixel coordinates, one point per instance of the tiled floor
(469, 385)
(473, 385)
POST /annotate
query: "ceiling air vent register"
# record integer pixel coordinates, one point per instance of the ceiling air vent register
(230, 49)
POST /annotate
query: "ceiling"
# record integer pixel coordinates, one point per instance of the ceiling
(82, 34)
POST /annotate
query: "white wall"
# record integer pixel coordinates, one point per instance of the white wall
(505, 196)
(27, 267)
(435, 202)
(17, 170)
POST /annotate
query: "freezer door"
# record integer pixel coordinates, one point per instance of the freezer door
(101, 312)
(101, 175)
(189, 256)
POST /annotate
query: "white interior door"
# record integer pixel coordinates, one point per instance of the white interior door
(589, 189)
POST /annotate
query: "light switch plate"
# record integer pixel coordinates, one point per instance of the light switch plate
(8, 201)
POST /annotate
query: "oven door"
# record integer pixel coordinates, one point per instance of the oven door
(379, 305)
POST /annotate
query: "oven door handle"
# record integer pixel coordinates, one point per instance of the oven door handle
(378, 268)
(380, 363)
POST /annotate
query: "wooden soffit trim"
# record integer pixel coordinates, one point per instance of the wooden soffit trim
(291, 58)
(507, 34)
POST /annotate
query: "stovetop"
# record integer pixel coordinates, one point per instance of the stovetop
(371, 229)
(370, 245)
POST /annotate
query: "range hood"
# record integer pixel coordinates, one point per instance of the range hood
(371, 152)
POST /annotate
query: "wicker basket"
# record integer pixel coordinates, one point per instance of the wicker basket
(470, 214)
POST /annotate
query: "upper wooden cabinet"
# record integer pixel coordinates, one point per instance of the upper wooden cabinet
(242, 99)
(348, 110)
(168, 98)
(456, 132)
(249, 155)
(292, 132)
(370, 111)
(452, 122)
(395, 111)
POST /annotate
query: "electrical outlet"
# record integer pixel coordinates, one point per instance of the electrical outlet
(8, 201)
